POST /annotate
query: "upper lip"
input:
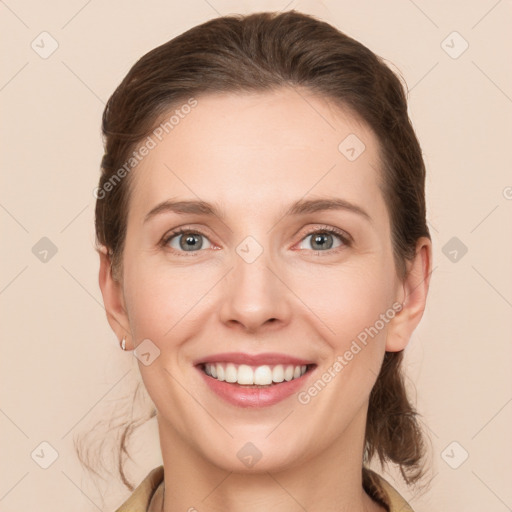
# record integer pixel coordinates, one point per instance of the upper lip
(267, 358)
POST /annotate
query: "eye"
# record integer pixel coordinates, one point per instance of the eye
(324, 239)
(186, 240)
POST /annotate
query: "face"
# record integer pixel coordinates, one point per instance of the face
(285, 275)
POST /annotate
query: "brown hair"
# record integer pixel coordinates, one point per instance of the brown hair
(263, 52)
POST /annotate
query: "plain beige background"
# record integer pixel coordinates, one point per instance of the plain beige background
(62, 369)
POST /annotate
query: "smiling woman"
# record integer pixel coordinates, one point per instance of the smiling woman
(268, 260)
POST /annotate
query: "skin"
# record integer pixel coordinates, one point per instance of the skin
(253, 155)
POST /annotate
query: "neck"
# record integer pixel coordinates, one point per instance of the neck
(329, 481)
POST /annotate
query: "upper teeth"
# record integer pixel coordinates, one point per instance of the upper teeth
(259, 375)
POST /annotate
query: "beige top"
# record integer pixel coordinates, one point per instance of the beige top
(153, 484)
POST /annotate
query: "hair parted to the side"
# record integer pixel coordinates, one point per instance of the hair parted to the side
(263, 52)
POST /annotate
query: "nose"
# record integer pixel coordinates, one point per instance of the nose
(255, 295)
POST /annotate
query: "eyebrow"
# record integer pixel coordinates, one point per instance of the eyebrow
(300, 207)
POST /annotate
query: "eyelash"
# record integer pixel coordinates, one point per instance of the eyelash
(345, 239)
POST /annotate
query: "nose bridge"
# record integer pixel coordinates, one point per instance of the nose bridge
(253, 293)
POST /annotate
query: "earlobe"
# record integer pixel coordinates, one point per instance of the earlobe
(113, 298)
(415, 290)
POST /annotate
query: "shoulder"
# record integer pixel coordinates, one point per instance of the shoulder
(383, 492)
(141, 497)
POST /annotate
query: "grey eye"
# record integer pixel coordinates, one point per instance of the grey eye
(188, 241)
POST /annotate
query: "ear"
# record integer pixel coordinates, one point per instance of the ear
(414, 297)
(113, 298)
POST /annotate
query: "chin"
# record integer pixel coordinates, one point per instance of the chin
(253, 458)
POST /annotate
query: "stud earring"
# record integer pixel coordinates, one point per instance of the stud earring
(123, 343)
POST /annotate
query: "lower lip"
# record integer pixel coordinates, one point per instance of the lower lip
(243, 396)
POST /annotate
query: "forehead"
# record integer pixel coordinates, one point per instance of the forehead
(250, 149)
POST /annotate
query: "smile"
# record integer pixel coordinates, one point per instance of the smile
(261, 380)
(246, 375)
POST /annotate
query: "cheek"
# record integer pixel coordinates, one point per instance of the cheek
(159, 298)
(347, 299)
(350, 303)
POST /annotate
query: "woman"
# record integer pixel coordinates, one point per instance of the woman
(264, 251)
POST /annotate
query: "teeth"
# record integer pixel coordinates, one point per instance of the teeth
(263, 375)
(278, 373)
(245, 375)
(248, 375)
(231, 373)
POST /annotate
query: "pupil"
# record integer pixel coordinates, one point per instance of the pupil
(190, 242)
(320, 240)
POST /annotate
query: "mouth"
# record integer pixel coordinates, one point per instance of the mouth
(254, 380)
(255, 376)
